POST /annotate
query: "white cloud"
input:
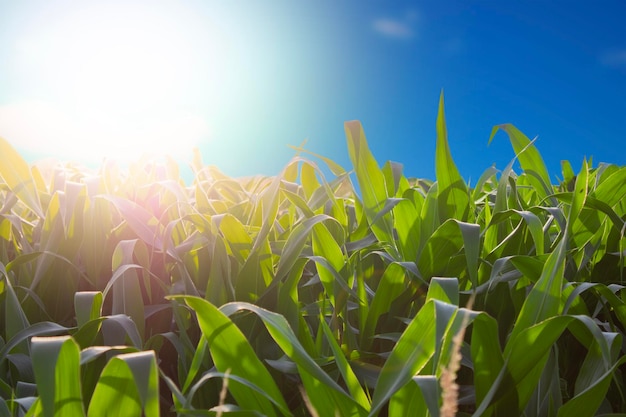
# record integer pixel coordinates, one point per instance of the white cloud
(393, 28)
(401, 28)
(83, 136)
(614, 59)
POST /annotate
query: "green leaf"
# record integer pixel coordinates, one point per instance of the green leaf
(141, 221)
(227, 377)
(128, 386)
(487, 358)
(279, 329)
(230, 350)
(453, 195)
(371, 183)
(117, 327)
(579, 196)
(295, 244)
(18, 177)
(444, 289)
(587, 402)
(410, 354)
(88, 306)
(446, 242)
(15, 319)
(544, 300)
(529, 158)
(56, 363)
(532, 221)
(44, 328)
(420, 399)
(390, 287)
(406, 215)
(126, 290)
(346, 371)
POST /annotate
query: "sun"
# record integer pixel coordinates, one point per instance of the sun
(112, 80)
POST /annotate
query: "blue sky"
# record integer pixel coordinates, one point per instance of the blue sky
(242, 80)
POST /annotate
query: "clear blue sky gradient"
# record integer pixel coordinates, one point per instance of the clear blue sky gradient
(298, 70)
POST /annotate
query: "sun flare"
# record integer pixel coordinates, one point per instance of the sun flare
(110, 82)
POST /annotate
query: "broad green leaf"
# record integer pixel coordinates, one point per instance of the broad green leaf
(235, 235)
(453, 195)
(527, 354)
(420, 399)
(544, 299)
(98, 242)
(92, 353)
(227, 377)
(18, 177)
(406, 215)
(141, 221)
(444, 289)
(391, 285)
(529, 158)
(326, 401)
(230, 350)
(392, 172)
(126, 290)
(479, 190)
(325, 246)
(44, 328)
(335, 168)
(267, 210)
(607, 292)
(546, 397)
(568, 172)
(579, 196)
(488, 359)
(118, 327)
(282, 334)
(612, 190)
(288, 299)
(350, 379)
(586, 403)
(296, 242)
(88, 306)
(524, 359)
(196, 363)
(309, 181)
(411, 353)
(219, 289)
(532, 221)
(15, 319)
(56, 362)
(446, 242)
(371, 183)
(128, 386)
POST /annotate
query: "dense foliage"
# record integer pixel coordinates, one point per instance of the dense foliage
(125, 293)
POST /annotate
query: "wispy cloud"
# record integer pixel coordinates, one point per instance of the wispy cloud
(615, 58)
(397, 28)
(393, 28)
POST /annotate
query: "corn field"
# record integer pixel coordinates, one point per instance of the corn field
(320, 291)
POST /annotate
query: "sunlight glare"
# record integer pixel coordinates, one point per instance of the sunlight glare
(110, 84)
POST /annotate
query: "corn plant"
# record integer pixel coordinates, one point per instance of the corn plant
(318, 291)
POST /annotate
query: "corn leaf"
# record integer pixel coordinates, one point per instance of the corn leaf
(128, 385)
(56, 363)
(18, 177)
(371, 183)
(230, 350)
(529, 157)
(453, 196)
(411, 353)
